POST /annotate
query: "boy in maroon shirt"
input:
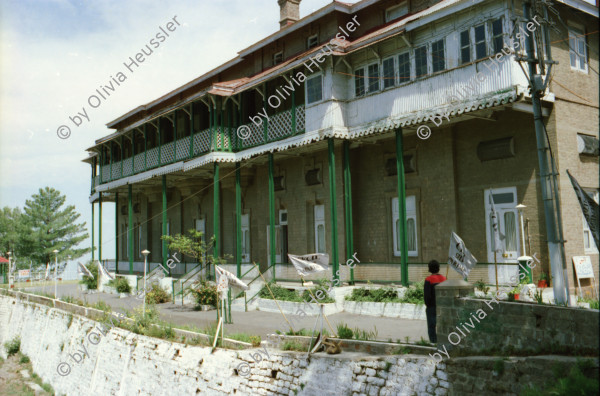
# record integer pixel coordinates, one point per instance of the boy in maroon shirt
(429, 295)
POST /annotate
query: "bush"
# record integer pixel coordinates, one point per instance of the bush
(120, 284)
(206, 294)
(157, 295)
(24, 359)
(344, 332)
(13, 346)
(293, 346)
(415, 294)
(92, 283)
(385, 294)
(322, 285)
(280, 293)
(575, 383)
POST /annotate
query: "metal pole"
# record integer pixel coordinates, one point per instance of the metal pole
(216, 214)
(272, 214)
(93, 232)
(144, 296)
(547, 178)
(333, 209)
(130, 230)
(348, 207)
(238, 219)
(164, 225)
(117, 232)
(402, 207)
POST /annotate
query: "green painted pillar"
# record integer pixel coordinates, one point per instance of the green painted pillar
(122, 157)
(174, 136)
(293, 113)
(145, 147)
(402, 206)
(159, 142)
(117, 232)
(265, 121)
(272, 214)
(100, 226)
(333, 209)
(93, 248)
(110, 177)
(130, 228)
(191, 130)
(348, 207)
(165, 252)
(216, 213)
(238, 219)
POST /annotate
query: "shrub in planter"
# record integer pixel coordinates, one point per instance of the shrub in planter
(92, 283)
(120, 284)
(543, 281)
(205, 294)
(157, 295)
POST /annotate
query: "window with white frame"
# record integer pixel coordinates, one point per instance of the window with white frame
(421, 61)
(438, 56)
(319, 213)
(359, 82)
(388, 73)
(373, 77)
(589, 244)
(312, 41)
(465, 46)
(497, 35)
(404, 68)
(480, 45)
(411, 227)
(396, 11)
(577, 49)
(314, 89)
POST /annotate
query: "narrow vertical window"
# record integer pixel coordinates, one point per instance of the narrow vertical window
(480, 47)
(403, 68)
(314, 89)
(359, 82)
(465, 47)
(320, 228)
(438, 58)
(373, 77)
(421, 62)
(497, 35)
(577, 49)
(388, 73)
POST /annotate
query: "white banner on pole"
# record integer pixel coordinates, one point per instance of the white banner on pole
(226, 279)
(310, 263)
(459, 257)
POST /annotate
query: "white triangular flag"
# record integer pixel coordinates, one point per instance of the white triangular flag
(459, 257)
(226, 279)
(310, 263)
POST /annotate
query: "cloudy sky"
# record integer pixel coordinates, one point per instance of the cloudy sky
(54, 54)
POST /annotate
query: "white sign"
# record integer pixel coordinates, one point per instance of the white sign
(23, 273)
(459, 257)
(583, 267)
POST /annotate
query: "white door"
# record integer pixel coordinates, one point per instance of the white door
(245, 238)
(277, 246)
(505, 201)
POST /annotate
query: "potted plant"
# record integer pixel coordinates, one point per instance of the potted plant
(543, 281)
(514, 293)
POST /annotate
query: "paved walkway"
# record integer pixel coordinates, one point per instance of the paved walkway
(254, 322)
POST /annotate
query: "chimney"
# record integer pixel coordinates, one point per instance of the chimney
(289, 11)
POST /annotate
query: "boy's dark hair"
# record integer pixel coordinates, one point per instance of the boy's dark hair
(434, 266)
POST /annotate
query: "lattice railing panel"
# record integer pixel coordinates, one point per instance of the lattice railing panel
(116, 170)
(105, 173)
(280, 125)
(183, 148)
(127, 167)
(201, 142)
(166, 155)
(152, 157)
(138, 163)
(300, 118)
(255, 137)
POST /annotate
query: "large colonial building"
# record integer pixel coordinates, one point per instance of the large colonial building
(308, 138)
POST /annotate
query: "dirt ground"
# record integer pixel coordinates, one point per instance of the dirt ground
(14, 382)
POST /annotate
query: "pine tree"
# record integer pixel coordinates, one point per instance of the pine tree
(12, 230)
(52, 227)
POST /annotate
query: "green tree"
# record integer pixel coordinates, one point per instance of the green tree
(193, 245)
(12, 230)
(52, 226)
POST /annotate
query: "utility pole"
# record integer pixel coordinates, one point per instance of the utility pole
(548, 172)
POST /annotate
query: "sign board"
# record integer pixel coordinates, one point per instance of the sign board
(583, 267)
(23, 273)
